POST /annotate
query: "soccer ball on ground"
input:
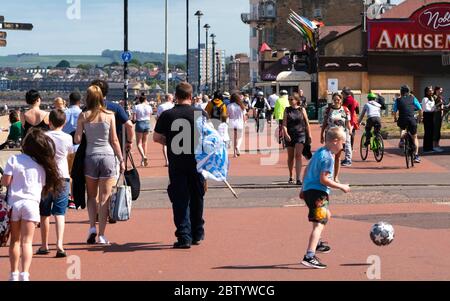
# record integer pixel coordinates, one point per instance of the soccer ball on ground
(382, 234)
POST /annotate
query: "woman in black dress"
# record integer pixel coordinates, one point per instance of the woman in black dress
(296, 134)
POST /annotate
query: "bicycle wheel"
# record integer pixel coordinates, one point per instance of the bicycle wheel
(363, 150)
(378, 152)
(406, 151)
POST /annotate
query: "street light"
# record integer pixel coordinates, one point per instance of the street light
(187, 40)
(166, 58)
(213, 36)
(199, 14)
(207, 27)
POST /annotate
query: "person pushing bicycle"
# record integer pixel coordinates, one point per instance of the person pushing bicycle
(373, 110)
(404, 110)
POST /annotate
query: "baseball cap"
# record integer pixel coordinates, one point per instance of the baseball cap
(371, 96)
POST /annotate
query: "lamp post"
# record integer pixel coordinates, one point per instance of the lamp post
(125, 49)
(187, 40)
(207, 27)
(199, 14)
(166, 90)
(219, 71)
(213, 84)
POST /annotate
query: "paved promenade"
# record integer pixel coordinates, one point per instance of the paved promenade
(263, 234)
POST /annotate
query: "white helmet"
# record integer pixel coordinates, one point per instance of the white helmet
(283, 92)
(260, 93)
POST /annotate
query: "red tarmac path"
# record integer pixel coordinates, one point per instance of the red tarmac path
(257, 243)
(249, 244)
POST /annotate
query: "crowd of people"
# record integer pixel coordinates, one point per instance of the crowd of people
(91, 140)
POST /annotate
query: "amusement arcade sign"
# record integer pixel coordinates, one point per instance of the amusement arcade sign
(428, 29)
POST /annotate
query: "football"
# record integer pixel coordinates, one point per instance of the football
(382, 234)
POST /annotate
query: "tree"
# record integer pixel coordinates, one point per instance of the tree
(84, 66)
(63, 64)
(135, 62)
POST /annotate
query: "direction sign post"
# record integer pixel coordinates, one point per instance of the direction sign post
(16, 26)
(2, 35)
(126, 56)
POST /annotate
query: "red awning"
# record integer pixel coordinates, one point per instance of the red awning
(265, 47)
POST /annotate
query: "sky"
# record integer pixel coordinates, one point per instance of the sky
(60, 28)
(100, 25)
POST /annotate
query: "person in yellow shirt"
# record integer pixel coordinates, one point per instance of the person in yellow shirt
(217, 110)
(278, 113)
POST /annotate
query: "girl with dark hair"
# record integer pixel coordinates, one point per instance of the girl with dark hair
(34, 117)
(236, 113)
(141, 115)
(35, 170)
(429, 108)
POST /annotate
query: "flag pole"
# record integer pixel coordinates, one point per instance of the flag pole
(231, 189)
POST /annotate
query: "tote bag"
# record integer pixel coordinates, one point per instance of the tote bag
(120, 205)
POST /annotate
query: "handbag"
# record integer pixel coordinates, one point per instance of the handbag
(5, 216)
(132, 178)
(120, 205)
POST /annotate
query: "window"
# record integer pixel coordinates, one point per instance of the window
(254, 54)
(270, 10)
(317, 13)
(254, 32)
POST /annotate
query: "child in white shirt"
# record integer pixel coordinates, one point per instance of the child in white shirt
(56, 204)
(223, 131)
(27, 176)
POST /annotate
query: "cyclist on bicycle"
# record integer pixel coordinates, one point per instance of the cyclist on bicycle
(261, 105)
(373, 110)
(404, 109)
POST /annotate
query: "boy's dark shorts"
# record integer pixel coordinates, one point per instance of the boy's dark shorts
(317, 202)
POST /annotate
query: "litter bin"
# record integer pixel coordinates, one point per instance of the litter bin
(311, 111)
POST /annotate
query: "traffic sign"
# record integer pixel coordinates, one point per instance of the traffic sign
(126, 56)
(2, 35)
(16, 26)
(2, 43)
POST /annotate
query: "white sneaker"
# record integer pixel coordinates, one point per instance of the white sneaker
(438, 149)
(24, 276)
(103, 240)
(14, 276)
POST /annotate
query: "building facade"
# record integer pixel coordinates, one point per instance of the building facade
(238, 72)
(407, 45)
(268, 24)
(208, 72)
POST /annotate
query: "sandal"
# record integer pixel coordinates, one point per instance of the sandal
(60, 254)
(42, 252)
(291, 181)
(145, 162)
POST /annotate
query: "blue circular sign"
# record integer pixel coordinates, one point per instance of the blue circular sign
(126, 56)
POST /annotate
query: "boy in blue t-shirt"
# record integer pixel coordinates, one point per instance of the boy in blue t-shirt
(317, 181)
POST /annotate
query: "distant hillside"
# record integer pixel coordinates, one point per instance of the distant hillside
(115, 55)
(107, 57)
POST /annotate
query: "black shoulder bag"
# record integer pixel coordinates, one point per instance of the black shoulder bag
(132, 178)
